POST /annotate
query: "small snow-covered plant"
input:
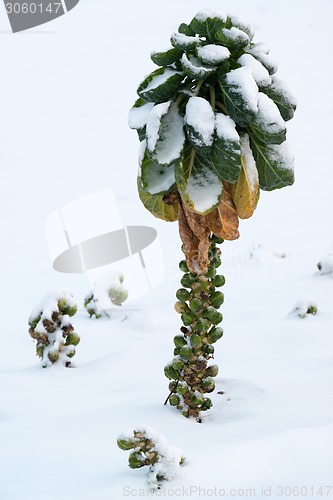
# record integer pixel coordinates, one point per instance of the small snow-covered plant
(150, 448)
(108, 290)
(325, 265)
(304, 308)
(211, 121)
(91, 306)
(50, 325)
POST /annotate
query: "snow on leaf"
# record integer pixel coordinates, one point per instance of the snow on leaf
(198, 184)
(208, 22)
(213, 54)
(275, 164)
(166, 57)
(233, 38)
(165, 133)
(184, 42)
(200, 123)
(243, 24)
(160, 85)
(156, 178)
(138, 115)
(268, 125)
(195, 69)
(284, 97)
(259, 72)
(260, 52)
(240, 93)
(225, 154)
(245, 193)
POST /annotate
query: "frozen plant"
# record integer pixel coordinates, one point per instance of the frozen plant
(108, 290)
(304, 308)
(149, 448)
(325, 265)
(50, 325)
(211, 121)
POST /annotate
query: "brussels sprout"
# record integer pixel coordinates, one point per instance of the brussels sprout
(182, 388)
(208, 384)
(183, 294)
(174, 400)
(215, 334)
(188, 318)
(183, 266)
(185, 352)
(53, 356)
(217, 319)
(173, 386)
(219, 280)
(211, 272)
(202, 325)
(179, 341)
(181, 307)
(196, 305)
(177, 364)
(210, 313)
(197, 398)
(209, 349)
(72, 339)
(126, 444)
(136, 460)
(212, 371)
(195, 340)
(170, 372)
(187, 280)
(216, 299)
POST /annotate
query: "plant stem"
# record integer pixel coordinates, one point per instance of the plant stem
(222, 107)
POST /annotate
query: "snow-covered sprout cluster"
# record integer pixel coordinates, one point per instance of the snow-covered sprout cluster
(150, 448)
(198, 303)
(109, 291)
(212, 118)
(325, 265)
(50, 325)
(303, 308)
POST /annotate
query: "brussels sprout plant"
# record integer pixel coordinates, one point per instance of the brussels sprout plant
(211, 121)
(50, 325)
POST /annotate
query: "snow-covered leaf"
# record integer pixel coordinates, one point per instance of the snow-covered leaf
(284, 97)
(232, 38)
(208, 22)
(194, 68)
(212, 54)
(156, 178)
(242, 24)
(274, 164)
(259, 72)
(245, 193)
(156, 205)
(225, 154)
(200, 124)
(165, 133)
(268, 125)
(167, 57)
(240, 94)
(260, 51)
(138, 116)
(198, 184)
(184, 42)
(185, 29)
(160, 85)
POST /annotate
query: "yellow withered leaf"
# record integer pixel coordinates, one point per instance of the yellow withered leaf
(223, 221)
(245, 193)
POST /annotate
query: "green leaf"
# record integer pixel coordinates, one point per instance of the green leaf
(167, 57)
(156, 178)
(274, 164)
(184, 42)
(240, 94)
(283, 98)
(207, 26)
(165, 133)
(268, 125)
(155, 205)
(226, 153)
(195, 69)
(200, 124)
(197, 183)
(186, 30)
(160, 85)
(233, 38)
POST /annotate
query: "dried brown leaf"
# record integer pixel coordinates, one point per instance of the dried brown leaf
(223, 221)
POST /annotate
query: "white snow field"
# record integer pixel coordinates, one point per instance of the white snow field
(66, 89)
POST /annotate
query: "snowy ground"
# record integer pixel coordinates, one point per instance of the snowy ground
(66, 91)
